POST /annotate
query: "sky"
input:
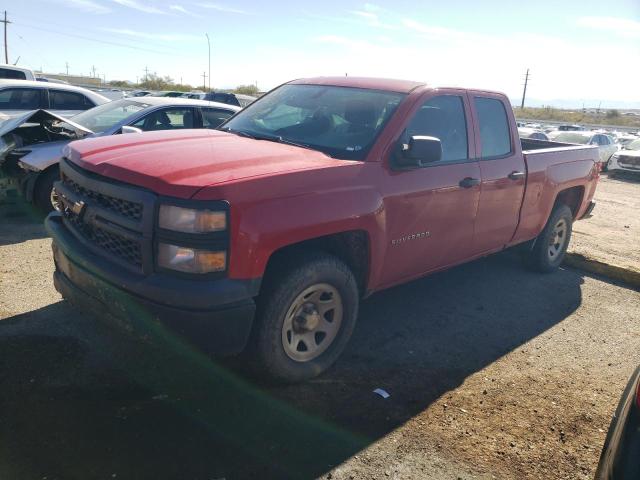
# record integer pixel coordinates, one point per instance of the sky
(577, 51)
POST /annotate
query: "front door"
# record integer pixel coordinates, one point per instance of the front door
(430, 210)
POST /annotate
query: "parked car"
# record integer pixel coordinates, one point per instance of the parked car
(12, 72)
(625, 160)
(532, 133)
(41, 147)
(621, 451)
(19, 96)
(140, 93)
(265, 235)
(571, 128)
(195, 95)
(236, 99)
(606, 145)
(169, 93)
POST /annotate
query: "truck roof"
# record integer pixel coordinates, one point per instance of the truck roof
(386, 84)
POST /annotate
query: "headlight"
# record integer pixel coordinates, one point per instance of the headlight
(189, 220)
(191, 260)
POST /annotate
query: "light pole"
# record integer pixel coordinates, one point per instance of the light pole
(209, 45)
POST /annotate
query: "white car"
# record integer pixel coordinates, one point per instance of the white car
(606, 145)
(11, 72)
(19, 96)
(626, 160)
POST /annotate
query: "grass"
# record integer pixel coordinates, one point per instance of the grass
(610, 117)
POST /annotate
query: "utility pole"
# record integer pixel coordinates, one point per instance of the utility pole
(66, 64)
(209, 45)
(524, 92)
(93, 69)
(146, 73)
(204, 80)
(6, 48)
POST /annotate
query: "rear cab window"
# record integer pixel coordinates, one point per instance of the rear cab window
(11, 74)
(495, 135)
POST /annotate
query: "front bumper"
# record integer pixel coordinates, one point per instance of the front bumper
(214, 315)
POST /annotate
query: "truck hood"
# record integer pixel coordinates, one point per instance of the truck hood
(179, 163)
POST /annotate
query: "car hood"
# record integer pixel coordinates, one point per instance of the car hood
(35, 116)
(179, 163)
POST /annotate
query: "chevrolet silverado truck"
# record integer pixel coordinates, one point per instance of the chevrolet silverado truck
(262, 237)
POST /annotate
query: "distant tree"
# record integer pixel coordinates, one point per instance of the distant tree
(119, 83)
(156, 82)
(613, 113)
(246, 89)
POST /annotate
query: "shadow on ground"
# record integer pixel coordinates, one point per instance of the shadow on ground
(83, 400)
(19, 221)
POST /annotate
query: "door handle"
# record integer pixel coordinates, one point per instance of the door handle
(469, 182)
(516, 175)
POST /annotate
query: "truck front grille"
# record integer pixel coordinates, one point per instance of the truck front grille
(628, 161)
(122, 207)
(113, 219)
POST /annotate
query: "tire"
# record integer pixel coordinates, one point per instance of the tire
(546, 256)
(288, 308)
(44, 186)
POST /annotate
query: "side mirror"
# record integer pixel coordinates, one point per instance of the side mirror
(130, 129)
(420, 150)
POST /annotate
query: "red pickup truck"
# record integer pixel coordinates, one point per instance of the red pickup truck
(263, 236)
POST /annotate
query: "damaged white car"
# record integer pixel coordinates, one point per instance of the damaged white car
(31, 145)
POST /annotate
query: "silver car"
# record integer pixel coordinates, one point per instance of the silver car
(19, 96)
(37, 164)
(606, 145)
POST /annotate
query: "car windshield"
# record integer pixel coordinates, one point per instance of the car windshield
(635, 145)
(341, 122)
(103, 117)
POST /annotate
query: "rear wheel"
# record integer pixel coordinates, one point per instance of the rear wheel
(44, 196)
(551, 245)
(306, 314)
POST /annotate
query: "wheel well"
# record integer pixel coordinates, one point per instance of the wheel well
(351, 247)
(572, 198)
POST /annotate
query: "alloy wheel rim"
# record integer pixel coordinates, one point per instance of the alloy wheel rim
(55, 200)
(312, 322)
(558, 239)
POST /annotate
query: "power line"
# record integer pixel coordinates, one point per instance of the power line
(105, 42)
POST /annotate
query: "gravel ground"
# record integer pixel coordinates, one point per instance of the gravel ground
(612, 235)
(493, 372)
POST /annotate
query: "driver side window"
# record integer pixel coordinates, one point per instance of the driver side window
(442, 117)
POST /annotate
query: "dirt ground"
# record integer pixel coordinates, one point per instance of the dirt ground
(612, 235)
(493, 372)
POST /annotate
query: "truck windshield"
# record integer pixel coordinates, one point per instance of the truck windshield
(105, 116)
(342, 122)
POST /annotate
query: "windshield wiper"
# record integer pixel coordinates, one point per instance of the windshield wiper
(240, 133)
(280, 139)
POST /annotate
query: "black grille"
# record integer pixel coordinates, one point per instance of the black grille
(629, 161)
(122, 207)
(127, 250)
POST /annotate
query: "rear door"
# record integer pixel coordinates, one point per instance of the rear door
(430, 210)
(502, 169)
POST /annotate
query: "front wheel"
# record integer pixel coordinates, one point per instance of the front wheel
(551, 245)
(306, 314)
(44, 196)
